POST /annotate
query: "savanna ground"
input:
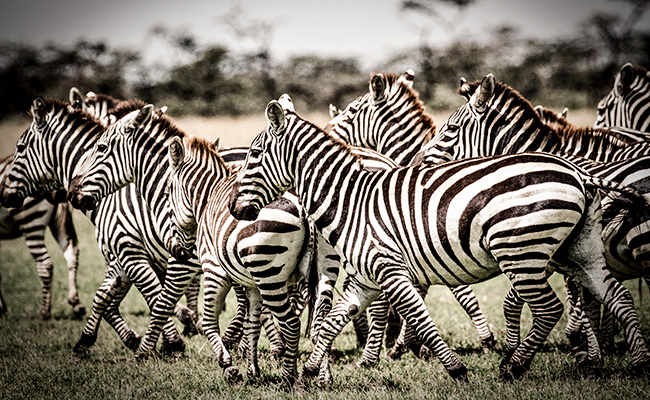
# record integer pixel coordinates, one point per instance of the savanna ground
(36, 362)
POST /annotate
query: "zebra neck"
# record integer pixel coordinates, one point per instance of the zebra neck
(326, 175)
(592, 143)
(207, 188)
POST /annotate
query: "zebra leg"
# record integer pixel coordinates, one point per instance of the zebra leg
(44, 265)
(235, 329)
(3, 305)
(467, 299)
(64, 233)
(189, 315)
(276, 299)
(328, 263)
(512, 307)
(378, 311)
(546, 308)
(408, 339)
(106, 305)
(272, 333)
(355, 299)
(215, 288)
(178, 279)
(404, 296)
(361, 329)
(580, 329)
(252, 329)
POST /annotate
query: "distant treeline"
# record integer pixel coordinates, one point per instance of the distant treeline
(572, 71)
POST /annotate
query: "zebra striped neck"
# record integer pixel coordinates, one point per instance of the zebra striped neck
(326, 174)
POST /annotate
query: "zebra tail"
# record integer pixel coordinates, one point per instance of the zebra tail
(312, 275)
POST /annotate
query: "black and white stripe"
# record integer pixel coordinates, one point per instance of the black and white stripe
(627, 105)
(128, 236)
(456, 223)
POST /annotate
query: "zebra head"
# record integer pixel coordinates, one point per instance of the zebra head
(627, 105)
(99, 106)
(265, 175)
(110, 165)
(389, 118)
(33, 171)
(459, 136)
(553, 119)
(181, 243)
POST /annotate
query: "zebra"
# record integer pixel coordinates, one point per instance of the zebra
(392, 227)
(128, 236)
(498, 120)
(627, 105)
(146, 136)
(384, 120)
(31, 220)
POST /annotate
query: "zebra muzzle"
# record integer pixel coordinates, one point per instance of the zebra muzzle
(177, 251)
(12, 200)
(79, 200)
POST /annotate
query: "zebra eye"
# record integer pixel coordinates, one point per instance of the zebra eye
(20, 147)
(452, 128)
(102, 147)
(255, 152)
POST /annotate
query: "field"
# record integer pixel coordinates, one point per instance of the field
(36, 362)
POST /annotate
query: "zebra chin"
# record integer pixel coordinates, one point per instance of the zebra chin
(81, 201)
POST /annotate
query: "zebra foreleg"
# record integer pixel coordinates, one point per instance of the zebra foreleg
(252, 331)
(407, 338)
(177, 280)
(378, 311)
(403, 295)
(355, 299)
(233, 334)
(215, 288)
(467, 299)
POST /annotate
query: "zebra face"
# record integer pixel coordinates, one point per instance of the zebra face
(109, 166)
(265, 176)
(183, 221)
(627, 104)
(31, 173)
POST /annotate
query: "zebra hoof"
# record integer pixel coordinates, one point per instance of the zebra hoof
(425, 353)
(190, 330)
(82, 348)
(173, 348)
(510, 371)
(459, 373)
(133, 341)
(394, 353)
(366, 363)
(232, 375)
(45, 315)
(78, 311)
(487, 344)
(642, 369)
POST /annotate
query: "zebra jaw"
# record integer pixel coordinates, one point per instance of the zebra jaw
(79, 200)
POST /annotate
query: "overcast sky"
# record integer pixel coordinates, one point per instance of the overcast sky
(368, 29)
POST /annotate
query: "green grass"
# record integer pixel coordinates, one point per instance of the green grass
(36, 362)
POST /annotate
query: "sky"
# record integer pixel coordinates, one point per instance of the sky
(366, 29)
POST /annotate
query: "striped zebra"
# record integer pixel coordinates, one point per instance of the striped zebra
(129, 238)
(497, 120)
(139, 137)
(456, 223)
(31, 220)
(627, 105)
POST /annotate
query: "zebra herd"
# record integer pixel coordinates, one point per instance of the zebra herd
(500, 187)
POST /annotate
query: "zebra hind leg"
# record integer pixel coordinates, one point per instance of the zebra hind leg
(378, 311)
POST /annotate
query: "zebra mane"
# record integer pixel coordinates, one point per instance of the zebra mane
(335, 139)
(110, 100)
(123, 107)
(59, 106)
(160, 121)
(201, 149)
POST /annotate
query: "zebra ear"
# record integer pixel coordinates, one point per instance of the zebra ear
(624, 79)
(176, 152)
(484, 92)
(464, 89)
(215, 142)
(407, 78)
(275, 116)
(334, 111)
(539, 110)
(378, 86)
(286, 102)
(143, 117)
(76, 99)
(38, 110)
(565, 112)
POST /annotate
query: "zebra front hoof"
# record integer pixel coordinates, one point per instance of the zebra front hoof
(174, 348)
(425, 353)
(307, 376)
(509, 371)
(394, 354)
(190, 330)
(487, 344)
(277, 353)
(133, 342)
(232, 375)
(459, 373)
(82, 348)
(45, 315)
(79, 311)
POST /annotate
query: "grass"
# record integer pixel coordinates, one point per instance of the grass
(36, 362)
